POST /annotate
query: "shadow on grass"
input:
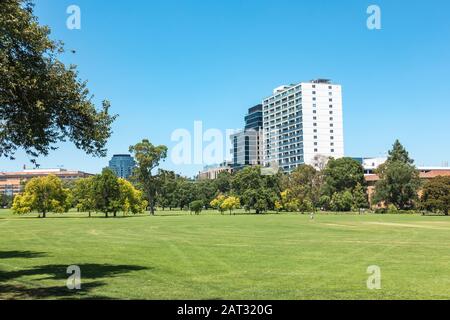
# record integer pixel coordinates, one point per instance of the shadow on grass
(21, 254)
(20, 292)
(92, 274)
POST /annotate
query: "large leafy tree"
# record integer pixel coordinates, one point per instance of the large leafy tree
(148, 158)
(43, 195)
(256, 191)
(42, 101)
(399, 179)
(341, 175)
(106, 192)
(304, 184)
(83, 194)
(131, 199)
(167, 188)
(436, 195)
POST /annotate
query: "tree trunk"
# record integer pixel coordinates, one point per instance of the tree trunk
(106, 214)
(115, 214)
(89, 214)
(152, 204)
(43, 214)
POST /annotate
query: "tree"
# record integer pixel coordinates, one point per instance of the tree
(185, 192)
(360, 200)
(217, 203)
(106, 192)
(399, 180)
(206, 191)
(287, 202)
(6, 200)
(131, 199)
(83, 193)
(223, 182)
(230, 203)
(196, 206)
(304, 184)
(42, 194)
(341, 175)
(167, 188)
(342, 201)
(42, 101)
(399, 153)
(257, 192)
(148, 158)
(436, 195)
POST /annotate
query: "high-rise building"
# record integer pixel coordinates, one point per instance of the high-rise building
(302, 122)
(122, 165)
(247, 143)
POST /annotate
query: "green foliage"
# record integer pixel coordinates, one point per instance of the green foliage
(6, 201)
(223, 182)
(304, 185)
(436, 195)
(42, 101)
(398, 185)
(148, 158)
(399, 154)
(196, 206)
(106, 193)
(342, 201)
(257, 192)
(43, 195)
(166, 196)
(325, 202)
(392, 209)
(341, 175)
(360, 200)
(83, 194)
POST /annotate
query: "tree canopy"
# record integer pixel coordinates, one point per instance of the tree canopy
(42, 101)
(399, 180)
(148, 158)
(436, 195)
(43, 195)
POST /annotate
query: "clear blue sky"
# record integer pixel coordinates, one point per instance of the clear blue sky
(164, 64)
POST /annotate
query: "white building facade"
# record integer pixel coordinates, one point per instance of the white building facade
(302, 122)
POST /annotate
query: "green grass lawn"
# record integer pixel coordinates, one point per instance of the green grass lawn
(175, 255)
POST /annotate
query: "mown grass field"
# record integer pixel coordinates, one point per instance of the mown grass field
(174, 255)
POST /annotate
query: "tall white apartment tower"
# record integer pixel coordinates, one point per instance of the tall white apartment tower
(302, 123)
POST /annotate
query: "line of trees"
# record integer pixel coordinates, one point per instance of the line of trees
(339, 186)
(103, 193)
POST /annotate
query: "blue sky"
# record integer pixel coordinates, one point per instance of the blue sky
(165, 64)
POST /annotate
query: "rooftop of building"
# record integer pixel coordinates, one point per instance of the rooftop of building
(284, 88)
(122, 155)
(57, 171)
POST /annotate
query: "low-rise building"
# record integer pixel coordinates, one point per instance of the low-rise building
(212, 172)
(425, 173)
(12, 183)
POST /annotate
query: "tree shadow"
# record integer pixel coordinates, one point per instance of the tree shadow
(9, 289)
(21, 254)
(20, 292)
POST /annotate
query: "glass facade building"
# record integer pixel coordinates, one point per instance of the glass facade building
(246, 144)
(122, 165)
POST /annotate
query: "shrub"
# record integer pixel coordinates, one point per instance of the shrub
(196, 206)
